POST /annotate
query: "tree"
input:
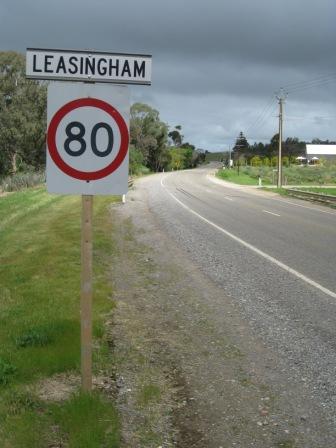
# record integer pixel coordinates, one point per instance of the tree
(241, 147)
(292, 147)
(22, 115)
(256, 161)
(176, 136)
(135, 160)
(273, 148)
(148, 134)
(258, 149)
(177, 158)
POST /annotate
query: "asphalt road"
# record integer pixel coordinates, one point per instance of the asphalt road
(300, 235)
(273, 256)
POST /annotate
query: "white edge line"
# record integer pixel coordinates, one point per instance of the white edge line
(271, 213)
(254, 249)
(304, 206)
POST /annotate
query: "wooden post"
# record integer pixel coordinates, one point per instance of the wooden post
(86, 293)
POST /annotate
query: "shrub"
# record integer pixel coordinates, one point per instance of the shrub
(7, 370)
(35, 337)
(256, 161)
(21, 181)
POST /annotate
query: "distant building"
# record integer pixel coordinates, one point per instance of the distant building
(316, 152)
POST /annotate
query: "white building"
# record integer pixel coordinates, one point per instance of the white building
(316, 152)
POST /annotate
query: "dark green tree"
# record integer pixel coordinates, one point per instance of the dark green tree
(148, 134)
(241, 147)
(273, 147)
(22, 116)
(176, 136)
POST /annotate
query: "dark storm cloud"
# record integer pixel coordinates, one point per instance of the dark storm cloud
(259, 30)
(229, 55)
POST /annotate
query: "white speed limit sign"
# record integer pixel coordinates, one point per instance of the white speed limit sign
(87, 139)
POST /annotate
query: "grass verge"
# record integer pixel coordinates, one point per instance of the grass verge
(39, 319)
(328, 191)
(232, 175)
(292, 175)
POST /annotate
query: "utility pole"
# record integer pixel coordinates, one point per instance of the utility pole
(281, 98)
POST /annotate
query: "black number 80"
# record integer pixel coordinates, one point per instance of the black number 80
(78, 137)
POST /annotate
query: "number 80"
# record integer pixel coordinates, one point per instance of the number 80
(79, 138)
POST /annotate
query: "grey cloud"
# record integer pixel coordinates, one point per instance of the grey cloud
(229, 56)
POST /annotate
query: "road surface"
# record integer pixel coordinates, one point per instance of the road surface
(272, 263)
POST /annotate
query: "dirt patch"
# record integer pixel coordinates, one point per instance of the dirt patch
(57, 388)
(5, 193)
(60, 387)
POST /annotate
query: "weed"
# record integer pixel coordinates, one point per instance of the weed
(22, 180)
(7, 370)
(19, 401)
(35, 337)
(149, 393)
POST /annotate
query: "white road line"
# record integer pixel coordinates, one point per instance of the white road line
(254, 249)
(228, 199)
(271, 213)
(235, 186)
(304, 206)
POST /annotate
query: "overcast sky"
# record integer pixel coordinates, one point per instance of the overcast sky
(217, 64)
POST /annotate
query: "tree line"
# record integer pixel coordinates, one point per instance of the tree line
(267, 153)
(154, 146)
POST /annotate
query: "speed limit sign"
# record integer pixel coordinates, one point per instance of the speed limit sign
(87, 139)
(87, 143)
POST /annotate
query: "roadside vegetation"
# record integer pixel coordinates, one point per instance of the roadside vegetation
(321, 190)
(260, 160)
(292, 175)
(20, 181)
(40, 329)
(154, 145)
(40, 399)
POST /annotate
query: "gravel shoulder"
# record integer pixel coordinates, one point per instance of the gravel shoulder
(190, 369)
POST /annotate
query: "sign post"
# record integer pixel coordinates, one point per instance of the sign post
(86, 293)
(87, 142)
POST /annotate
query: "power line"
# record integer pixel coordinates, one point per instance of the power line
(296, 84)
(262, 116)
(311, 84)
(270, 106)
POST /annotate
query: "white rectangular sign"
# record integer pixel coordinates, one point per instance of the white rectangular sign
(75, 65)
(87, 138)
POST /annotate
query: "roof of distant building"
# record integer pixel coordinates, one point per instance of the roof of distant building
(323, 150)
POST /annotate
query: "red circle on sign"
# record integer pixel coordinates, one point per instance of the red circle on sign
(52, 147)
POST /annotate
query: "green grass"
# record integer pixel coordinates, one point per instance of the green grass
(39, 306)
(329, 191)
(83, 421)
(292, 175)
(76, 418)
(242, 178)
